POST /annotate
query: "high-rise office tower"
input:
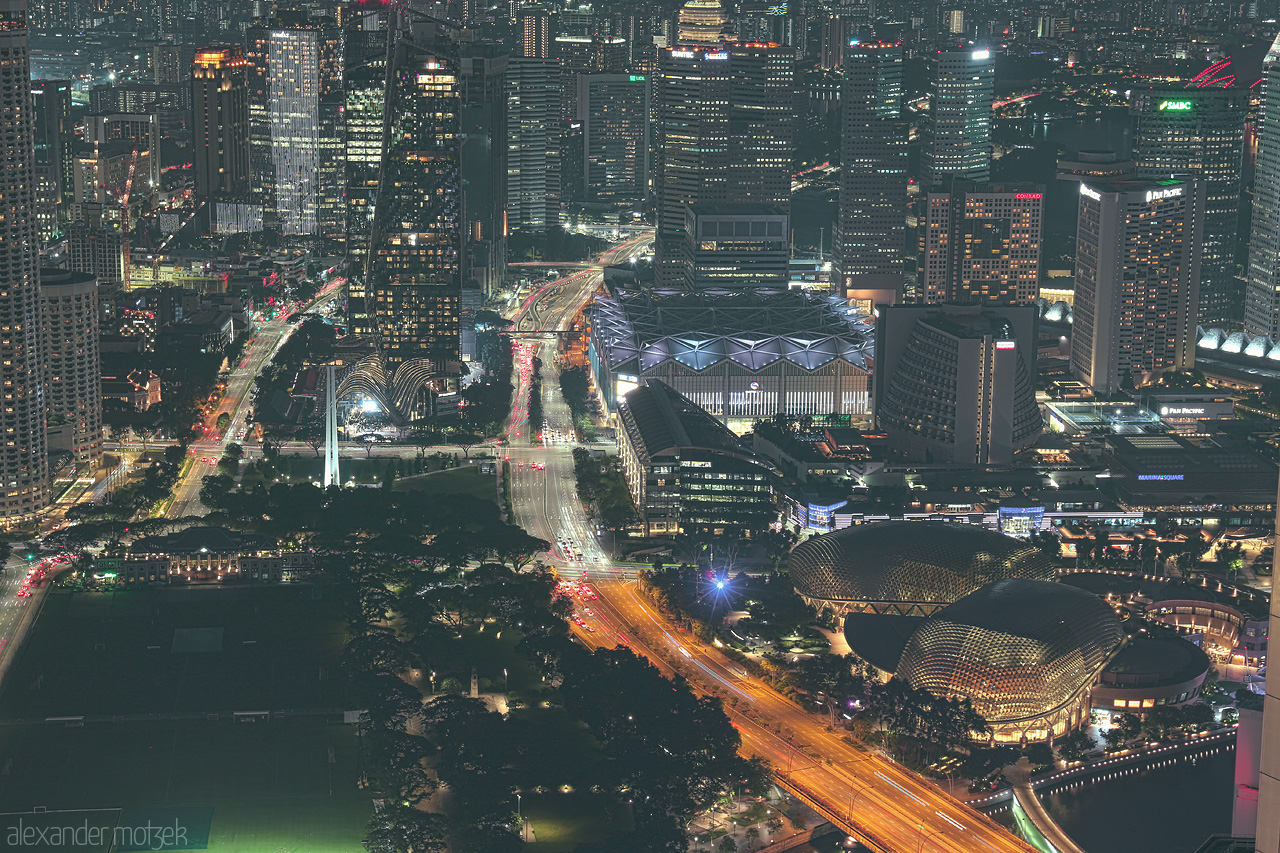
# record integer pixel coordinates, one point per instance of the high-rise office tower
(702, 22)
(74, 374)
(613, 110)
(1137, 281)
(414, 280)
(54, 145)
(762, 113)
(295, 122)
(1199, 134)
(220, 127)
(691, 139)
(956, 383)
(870, 240)
(724, 134)
(981, 243)
(955, 134)
(585, 55)
(535, 31)
(533, 134)
(1262, 278)
(483, 157)
(646, 29)
(24, 459)
(364, 81)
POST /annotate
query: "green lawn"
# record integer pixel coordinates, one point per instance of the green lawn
(560, 822)
(279, 786)
(465, 480)
(153, 651)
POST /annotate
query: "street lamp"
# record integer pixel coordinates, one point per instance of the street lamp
(855, 796)
(924, 837)
(505, 686)
(519, 816)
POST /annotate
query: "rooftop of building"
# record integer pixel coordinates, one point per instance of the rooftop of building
(212, 540)
(665, 419)
(753, 327)
(1151, 661)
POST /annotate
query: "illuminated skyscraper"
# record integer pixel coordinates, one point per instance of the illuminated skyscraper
(981, 243)
(220, 107)
(871, 235)
(414, 278)
(702, 22)
(74, 373)
(533, 135)
(1137, 281)
(762, 115)
(24, 460)
(295, 111)
(1199, 134)
(1262, 278)
(613, 110)
(535, 31)
(724, 135)
(956, 131)
(54, 138)
(483, 159)
(691, 137)
(364, 82)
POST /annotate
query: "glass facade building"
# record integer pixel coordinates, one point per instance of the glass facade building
(1199, 134)
(414, 280)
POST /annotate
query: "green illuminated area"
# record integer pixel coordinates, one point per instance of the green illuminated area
(158, 676)
(1175, 106)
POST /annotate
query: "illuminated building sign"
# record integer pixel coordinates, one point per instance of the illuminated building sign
(1088, 193)
(1006, 344)
(1175, 106)
(637, 78)
(1182, 410)
(1157, 195)
(1029, 195)
(719, 54)
(682, 54)
(981, 54)
(1161, 477)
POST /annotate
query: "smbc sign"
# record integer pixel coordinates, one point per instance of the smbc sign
(1175, 106)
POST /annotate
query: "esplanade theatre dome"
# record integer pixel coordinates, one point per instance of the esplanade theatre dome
(1024, 652)
(910, 568)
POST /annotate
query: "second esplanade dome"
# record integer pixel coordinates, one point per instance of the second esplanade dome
(908, 567)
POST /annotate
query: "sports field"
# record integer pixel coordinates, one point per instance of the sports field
(280, 786)
(180, 656)
(178, 650)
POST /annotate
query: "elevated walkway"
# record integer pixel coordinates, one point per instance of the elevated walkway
(1020, 776)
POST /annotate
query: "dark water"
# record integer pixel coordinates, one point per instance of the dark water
(1170, 809)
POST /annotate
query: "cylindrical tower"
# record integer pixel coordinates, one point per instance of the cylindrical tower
(75, 381)
(24, 460)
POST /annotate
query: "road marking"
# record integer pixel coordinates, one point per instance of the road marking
(900, 788)
(949, 820)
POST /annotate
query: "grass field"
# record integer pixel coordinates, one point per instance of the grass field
(465, 480)
(96, 653)
(560, 821)
(279, 786)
